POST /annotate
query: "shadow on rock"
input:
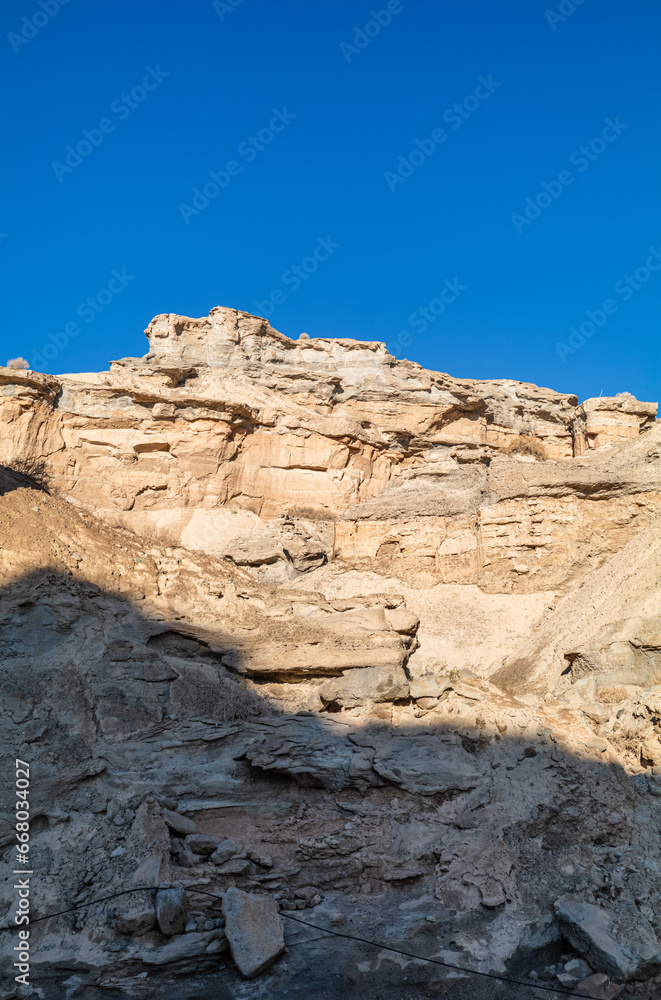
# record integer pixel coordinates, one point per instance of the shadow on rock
(481, 838)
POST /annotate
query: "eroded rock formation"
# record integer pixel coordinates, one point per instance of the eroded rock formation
(342, 635)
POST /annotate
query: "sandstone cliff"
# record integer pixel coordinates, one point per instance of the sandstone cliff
(307, 620)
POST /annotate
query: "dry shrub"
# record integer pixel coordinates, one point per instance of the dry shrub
(33, 473)
(239, 704)
(525, 444)
(18, 363)
(613, 695)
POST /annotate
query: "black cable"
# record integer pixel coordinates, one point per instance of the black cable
(436, 961)
(323, 930)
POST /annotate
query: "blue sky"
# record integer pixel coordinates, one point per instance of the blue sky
(361, 171)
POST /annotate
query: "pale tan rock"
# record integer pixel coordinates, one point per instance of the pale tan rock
(254, 930)
(606, 419)
(370, 684)
(245, 521)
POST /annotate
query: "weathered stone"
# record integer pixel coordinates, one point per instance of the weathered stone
(426, 764)
(359, 687)
(261, 859)
(599, 987)
(596, 712)
(171, 910)
(225, 850)
(538, 572)
(254, 930)
(137, 921)
(578, 968)
(651, 750)
(594, 931)
(201, 843)
(182, 824)
(429, 687)
(237, 866)
(186, 946)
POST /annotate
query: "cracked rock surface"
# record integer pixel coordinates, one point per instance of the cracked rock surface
(302, 630)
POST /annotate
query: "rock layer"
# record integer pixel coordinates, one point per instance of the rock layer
(316, 629)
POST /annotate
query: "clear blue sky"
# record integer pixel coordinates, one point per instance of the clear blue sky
(347, 108)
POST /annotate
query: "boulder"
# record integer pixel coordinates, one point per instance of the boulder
(599, 987)
(179, 823)
(403, 621)
(596, 712)
(201, 843)
(367, 684)
(171, 910)
(237, 866)
(651, 750)
(611, 943)
(225, 850)
(429, 687)
(254, 930)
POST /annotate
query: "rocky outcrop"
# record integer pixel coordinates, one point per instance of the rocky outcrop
(279, 455)
(316, 629)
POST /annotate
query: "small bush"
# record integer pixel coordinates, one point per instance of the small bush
(33, 473)
(239, 704)
(613, 695)
(525, 444)
(19, 363)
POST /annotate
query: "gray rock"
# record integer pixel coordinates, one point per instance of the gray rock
(171, 910)
(578, 968)
(254, 930)
(225, 850)
(622, 949)
(183, 854)
(201, 843)
(597, 744)
(137, 921)
(314, 751)
(427, 764)
(187, 946)
(599, 987)
(182, 824)
(235, 867)
(365, 684)
(263, 860)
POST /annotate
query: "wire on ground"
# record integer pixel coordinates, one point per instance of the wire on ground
(323, 930)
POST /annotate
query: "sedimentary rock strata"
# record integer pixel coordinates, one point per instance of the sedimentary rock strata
(309, 628)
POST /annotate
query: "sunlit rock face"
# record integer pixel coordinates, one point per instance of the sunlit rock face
(346, 636)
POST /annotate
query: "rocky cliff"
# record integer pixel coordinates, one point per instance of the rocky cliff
(301, 620)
